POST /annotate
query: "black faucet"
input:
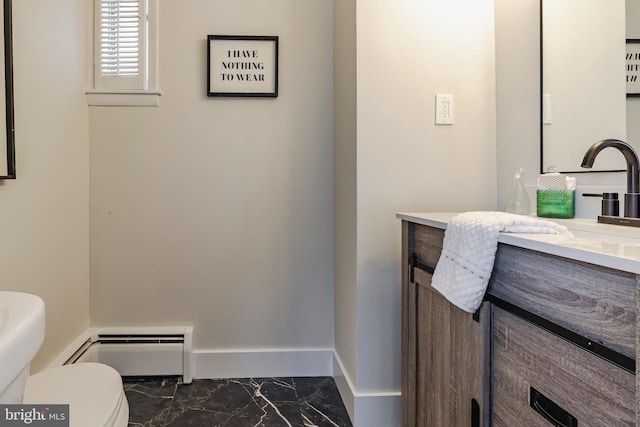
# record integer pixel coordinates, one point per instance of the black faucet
(632, 197)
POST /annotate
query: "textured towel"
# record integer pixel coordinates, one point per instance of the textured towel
(469, 250)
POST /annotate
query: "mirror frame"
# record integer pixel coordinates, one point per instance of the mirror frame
(540, 98)
(9, 96)
(542, 170)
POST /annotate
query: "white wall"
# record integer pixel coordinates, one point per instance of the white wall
(44, 213)
(404, 162)
(218, 213)
(345, 185)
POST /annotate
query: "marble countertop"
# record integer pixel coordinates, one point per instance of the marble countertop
(599, 244)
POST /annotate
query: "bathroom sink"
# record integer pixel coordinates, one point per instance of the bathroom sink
(22, 327)
(593, 230)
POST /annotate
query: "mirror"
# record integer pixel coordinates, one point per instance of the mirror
(583, 81)
(7, 138)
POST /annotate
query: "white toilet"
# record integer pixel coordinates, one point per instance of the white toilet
(93, 391)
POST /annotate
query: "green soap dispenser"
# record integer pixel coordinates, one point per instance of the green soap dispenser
(518, 200)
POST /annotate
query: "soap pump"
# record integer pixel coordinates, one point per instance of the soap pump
(518, 200)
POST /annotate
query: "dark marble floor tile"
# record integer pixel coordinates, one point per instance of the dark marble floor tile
(259, 402)
(149, 402)
(320, 402)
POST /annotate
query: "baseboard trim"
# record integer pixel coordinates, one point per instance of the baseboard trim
(256, 363)
(368, 409)
(345, 386)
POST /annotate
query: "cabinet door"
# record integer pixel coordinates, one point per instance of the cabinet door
(447, 361)
(443, 347)
(533, 368)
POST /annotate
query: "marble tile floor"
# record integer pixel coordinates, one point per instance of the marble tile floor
(247, 402)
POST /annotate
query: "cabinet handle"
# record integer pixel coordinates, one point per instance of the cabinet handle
(475, 413)
(550, 411)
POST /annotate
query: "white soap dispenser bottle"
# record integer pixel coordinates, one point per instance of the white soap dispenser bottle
(518, 200)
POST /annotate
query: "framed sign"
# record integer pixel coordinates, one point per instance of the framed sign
(242, 66)
(633, 67)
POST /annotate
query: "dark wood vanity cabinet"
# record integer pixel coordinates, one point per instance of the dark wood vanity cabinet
(553, 344)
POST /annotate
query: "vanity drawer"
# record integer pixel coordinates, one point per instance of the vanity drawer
(585, 388)
(596, 303)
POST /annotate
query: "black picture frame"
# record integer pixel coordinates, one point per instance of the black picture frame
(242, 66)
(632, 57)
(7, 147)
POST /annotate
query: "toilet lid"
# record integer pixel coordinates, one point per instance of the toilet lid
(93, 391)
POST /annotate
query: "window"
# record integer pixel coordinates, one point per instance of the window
(120, 44)
(124, 53)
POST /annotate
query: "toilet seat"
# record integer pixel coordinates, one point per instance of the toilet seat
(93, 391)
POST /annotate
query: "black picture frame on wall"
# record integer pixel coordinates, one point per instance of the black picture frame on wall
(7, 135)
(242, 66)
(632, 66)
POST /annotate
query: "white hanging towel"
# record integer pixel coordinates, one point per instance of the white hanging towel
(469, 250)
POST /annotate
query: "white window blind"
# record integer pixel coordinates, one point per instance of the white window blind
(120, 48)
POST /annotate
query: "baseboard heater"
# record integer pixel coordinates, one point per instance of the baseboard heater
(139, 354)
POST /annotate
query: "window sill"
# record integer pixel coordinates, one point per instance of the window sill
(123, 98)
